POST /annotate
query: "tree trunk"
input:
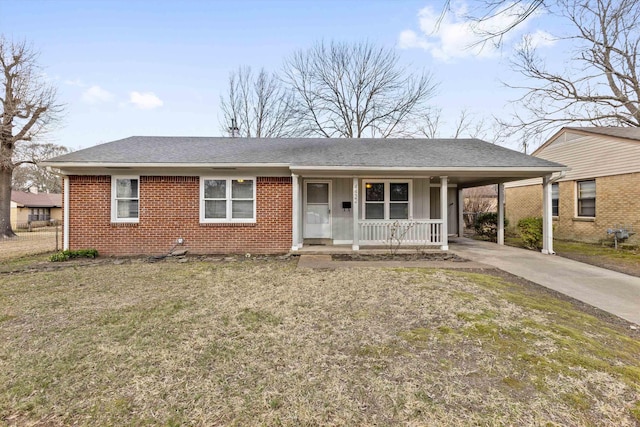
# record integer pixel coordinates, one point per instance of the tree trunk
(5, 202)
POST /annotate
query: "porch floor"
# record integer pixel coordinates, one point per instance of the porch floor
(346, 249)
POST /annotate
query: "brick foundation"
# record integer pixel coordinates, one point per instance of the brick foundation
(169, 209)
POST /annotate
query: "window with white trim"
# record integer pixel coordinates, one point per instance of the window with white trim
(125, 198)
(555, 199)
(587, 198)
(387, 199)
(227, 199)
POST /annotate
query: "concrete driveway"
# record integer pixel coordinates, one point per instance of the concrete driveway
(608, 290)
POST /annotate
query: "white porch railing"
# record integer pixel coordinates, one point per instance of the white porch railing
(403, 232)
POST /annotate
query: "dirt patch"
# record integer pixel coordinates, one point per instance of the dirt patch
(437, 256)
(37, 264)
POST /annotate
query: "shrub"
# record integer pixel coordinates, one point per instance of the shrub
(486, 225)
(80, 253)
(531, 232)
(59, 257)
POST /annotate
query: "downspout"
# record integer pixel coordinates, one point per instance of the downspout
(65, 214)
(65, 211)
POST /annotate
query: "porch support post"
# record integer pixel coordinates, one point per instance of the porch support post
(354, 208)
(295, 209)
(547, 212)
(500, 237)
(460, 212)
(444, 212)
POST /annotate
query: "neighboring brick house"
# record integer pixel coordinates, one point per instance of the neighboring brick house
(34, 209)
(599, 192)
(142, 195)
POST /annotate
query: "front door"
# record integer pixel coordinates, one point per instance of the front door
(317, 210)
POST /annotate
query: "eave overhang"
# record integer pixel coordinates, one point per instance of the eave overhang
(462, 175)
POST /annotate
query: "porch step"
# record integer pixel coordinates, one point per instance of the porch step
(318, 242)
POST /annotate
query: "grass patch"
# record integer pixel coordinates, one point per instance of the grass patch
(265, 344)
(253, 320)
(625, 259)
(635, 411)
(622, 253)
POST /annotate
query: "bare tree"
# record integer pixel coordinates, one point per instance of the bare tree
(467, 125)
(600, 87)
(31, 174)
(431, 123)
(509, 13)
(28, 108)
(259, 106)
(355, 91)
(478, 200)
(597, 85)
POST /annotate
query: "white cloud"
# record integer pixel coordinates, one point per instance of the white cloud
(409, 39)
(96, 95)
(145, 100)
(453, 36)
(76, 82)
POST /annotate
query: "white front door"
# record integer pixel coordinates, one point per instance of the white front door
(317, 209)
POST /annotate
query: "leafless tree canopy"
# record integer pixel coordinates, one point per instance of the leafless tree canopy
(27, 109)
(259, 105)
(597, 85)
(355, 91)
(478, 200)
(482, 11)
(31, 174)
(466, 125)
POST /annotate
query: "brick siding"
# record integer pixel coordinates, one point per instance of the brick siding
(617, 203)
(522, 202)
(169, 209)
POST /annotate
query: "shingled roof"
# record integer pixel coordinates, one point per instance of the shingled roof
(39, 200)
(299, 152)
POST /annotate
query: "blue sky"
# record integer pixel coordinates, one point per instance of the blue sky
(159, 67)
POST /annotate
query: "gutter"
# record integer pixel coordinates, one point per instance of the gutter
(121, 165)
(432, 169)
(554, 179)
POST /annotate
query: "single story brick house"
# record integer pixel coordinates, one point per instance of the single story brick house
(600, 191)
(35, 209)
(142, 194)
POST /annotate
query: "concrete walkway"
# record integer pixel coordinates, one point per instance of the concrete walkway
(608, 290)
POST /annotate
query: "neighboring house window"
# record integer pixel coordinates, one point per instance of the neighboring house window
(125, 198)
(227, 200)
(39, 214)
(387, 200)
(587, 198)
(555, 199)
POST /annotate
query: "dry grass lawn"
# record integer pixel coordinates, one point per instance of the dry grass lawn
(37, 242)
(262, 343)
